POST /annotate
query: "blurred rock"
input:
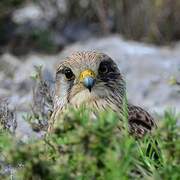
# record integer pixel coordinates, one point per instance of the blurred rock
(75, 31)
(29, 12)
(9, 64)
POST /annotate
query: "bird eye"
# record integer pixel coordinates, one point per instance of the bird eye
(103, 68)
(68, 73)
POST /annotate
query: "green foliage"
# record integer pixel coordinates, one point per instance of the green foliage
(43, 40)
(5, 140)
(83, 149)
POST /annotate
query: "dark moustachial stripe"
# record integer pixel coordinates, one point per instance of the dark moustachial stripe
(71, 83)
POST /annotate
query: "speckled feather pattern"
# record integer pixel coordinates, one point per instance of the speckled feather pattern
(108, 92)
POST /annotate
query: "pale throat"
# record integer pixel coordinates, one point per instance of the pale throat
(83, 97)
(99, 97)
(95, 99)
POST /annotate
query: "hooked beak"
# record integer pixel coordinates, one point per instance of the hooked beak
(87, 77)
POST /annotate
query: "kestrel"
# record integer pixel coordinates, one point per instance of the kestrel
(94, 79)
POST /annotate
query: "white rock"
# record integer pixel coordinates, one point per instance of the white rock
(27, 13)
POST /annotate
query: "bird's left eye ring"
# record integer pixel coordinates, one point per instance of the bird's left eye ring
(103, 69)
(68, 73)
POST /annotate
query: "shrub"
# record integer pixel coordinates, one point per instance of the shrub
(84, 149)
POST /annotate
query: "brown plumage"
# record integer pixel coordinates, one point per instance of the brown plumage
(94, 79)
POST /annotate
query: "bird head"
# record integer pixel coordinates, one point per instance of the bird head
(87, 76)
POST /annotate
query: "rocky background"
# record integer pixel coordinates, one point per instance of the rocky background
(42, 33)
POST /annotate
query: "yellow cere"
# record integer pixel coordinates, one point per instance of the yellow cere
(86, 73)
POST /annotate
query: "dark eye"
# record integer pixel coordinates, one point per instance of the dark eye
(68, 73)
(103, 68)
